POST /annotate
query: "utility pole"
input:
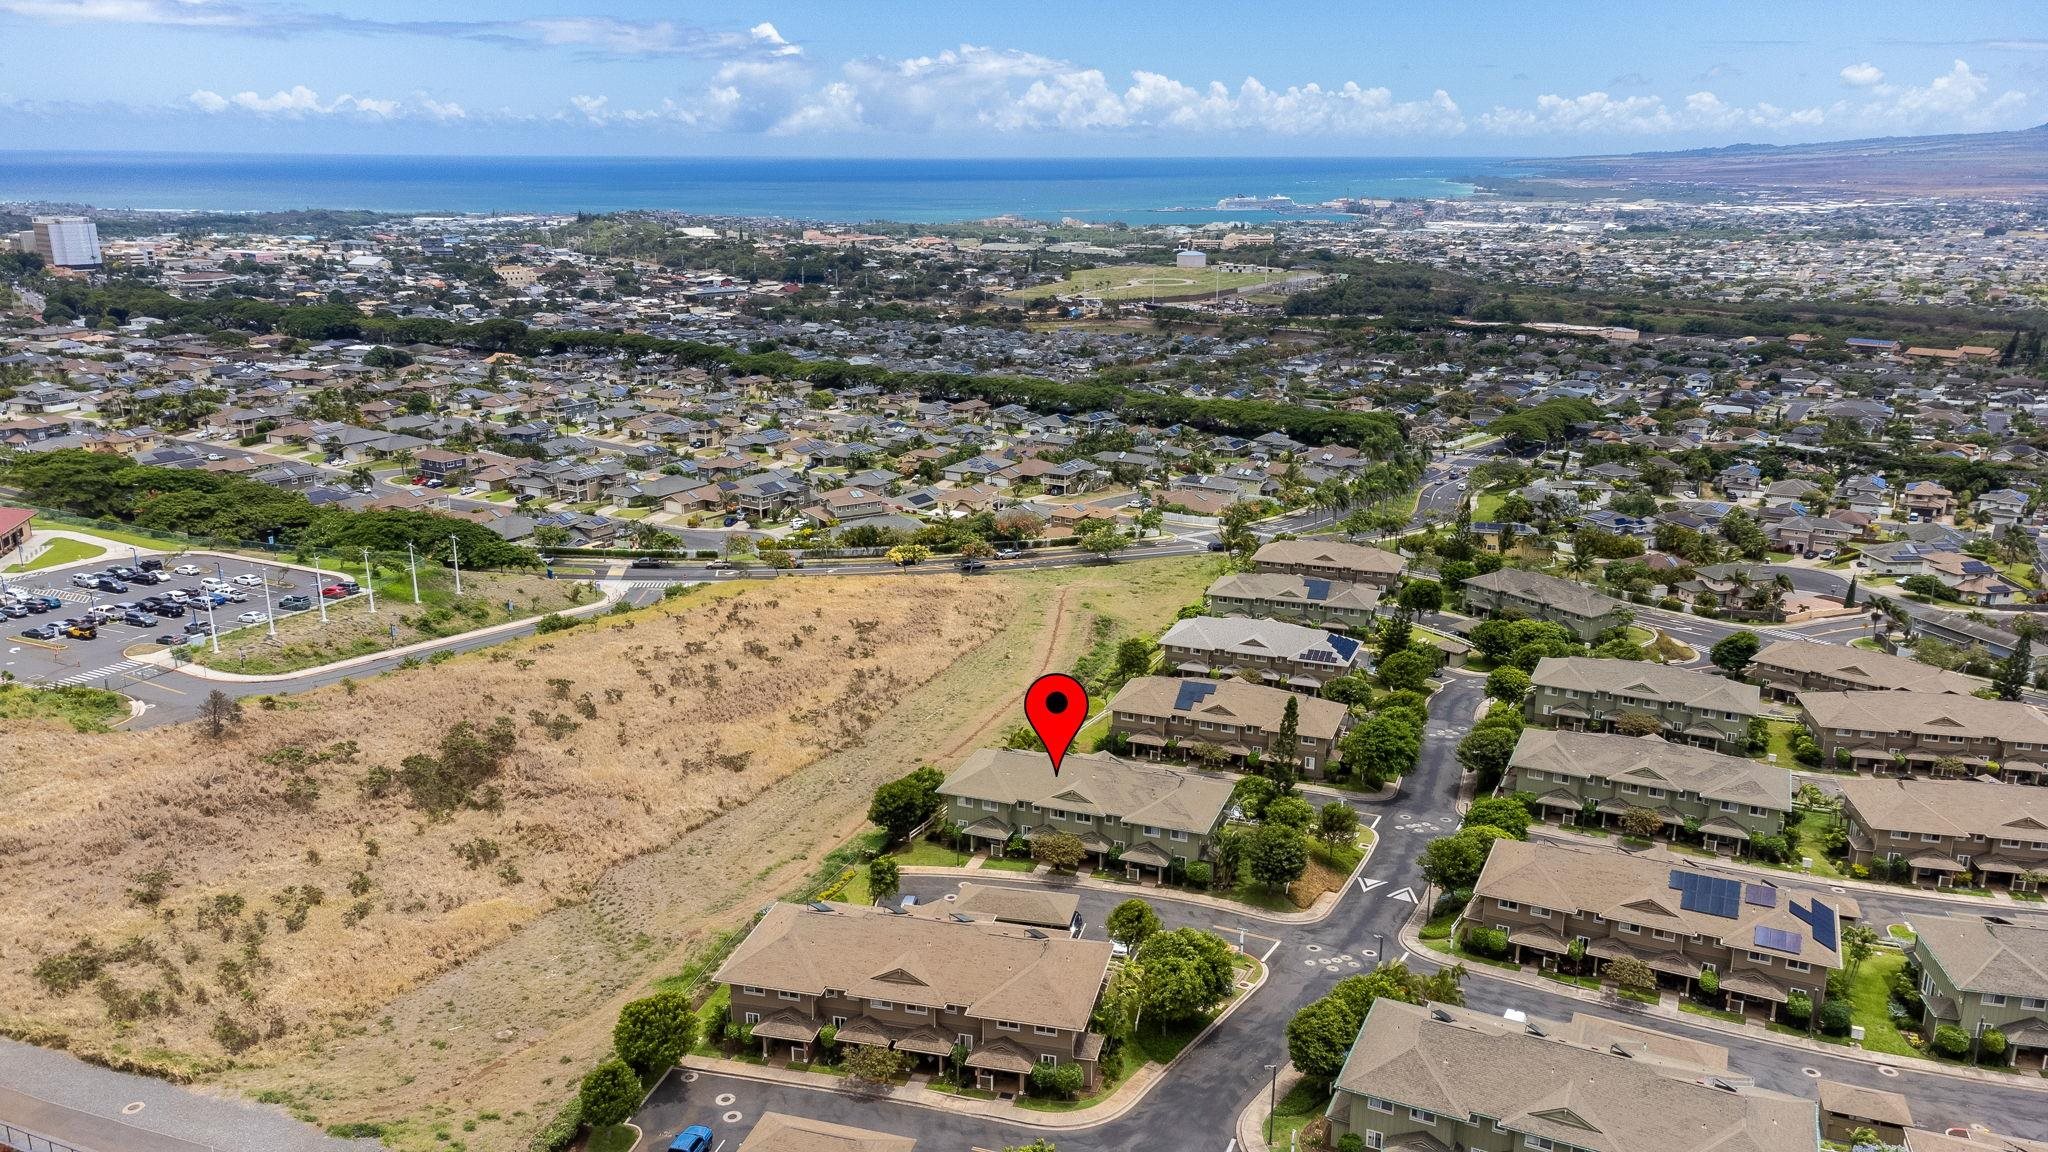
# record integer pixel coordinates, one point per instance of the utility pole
(212, 633)
(370, 581)
(269, 613)
(455, 555)
(412, 562)
(1272, 1099)
(320, 590)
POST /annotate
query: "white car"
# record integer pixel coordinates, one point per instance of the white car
(215, 456)
(187, 570)
(213, 583)
(252, 617)
(249, 580)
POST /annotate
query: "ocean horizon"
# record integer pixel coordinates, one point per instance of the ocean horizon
(1135, 190)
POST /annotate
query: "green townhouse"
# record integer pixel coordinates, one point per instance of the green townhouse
(1594, 778)
(1152, 820)
(1981, 977)
(1594, 695)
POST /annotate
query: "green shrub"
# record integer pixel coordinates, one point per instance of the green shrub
(1710, 983)
(553, 622)
(1061, 1080)
(1199, 874)
(561, 1131)
(1487, 941)
(1951, 1041)
(1991, 1046)
(1798, 1010)
(1835, 1017)
(611, 1093)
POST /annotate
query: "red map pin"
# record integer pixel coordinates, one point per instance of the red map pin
(1057, 706)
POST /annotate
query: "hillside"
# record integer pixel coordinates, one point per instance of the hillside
(1991, 164)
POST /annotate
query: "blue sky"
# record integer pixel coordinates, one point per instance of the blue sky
(993, 77)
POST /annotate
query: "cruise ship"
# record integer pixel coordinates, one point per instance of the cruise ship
(1256, 204)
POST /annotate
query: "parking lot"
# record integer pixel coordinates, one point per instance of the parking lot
(248, 592)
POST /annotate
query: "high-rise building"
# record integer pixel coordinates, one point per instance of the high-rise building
(68, 241)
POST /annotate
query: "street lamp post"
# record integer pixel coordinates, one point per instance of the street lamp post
(370, 581)
(212, 632)
(455, 557)
(1379, 947)
(269, 613)
(413, 562)
(1272, 1098)
(320, 590)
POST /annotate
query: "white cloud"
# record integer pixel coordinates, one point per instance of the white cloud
(298, 102)
(1862, 75)
(178, 13)
(1958, 100)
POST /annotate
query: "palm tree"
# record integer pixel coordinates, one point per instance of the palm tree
(1578, 563)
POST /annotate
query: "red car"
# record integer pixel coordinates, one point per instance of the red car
(334, 592)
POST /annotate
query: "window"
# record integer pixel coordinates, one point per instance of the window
(1931, 837)
(1379, 1105)
(1798, 966)
(1057, 813)
(1151, 831)
(2008, 843)
(1902, 835)
(1422, 1117)
(2033, 1003)
(1760, 958)
(1729, 806)
(1660, 934)
(1007, 1026)
(1538, 1143)
(1042, 1030)
(1630, 789)
(751, 990)
(1308, 763)
(1048, 1058)
(883, 1005)
(916, 1009)
(1374, 1140)
(751, 1018)
(1994, 1000)
(966, 1039)
(988, 805)
(838, 1022)
(1507, 905)
(1656, 793)
(789, 995)
(1628, 929)
(1756, 810)
(1539, 913)
(1179, 835)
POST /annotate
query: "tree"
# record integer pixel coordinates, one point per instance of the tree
(610, 1094)
(1396, 633)
(1631, 975)
(1282, 754)
(1337, 824)
(1133, 658)
(1507, 813)
(1292, 811)
(1103, 539)
(1131, 923)
(1320, 1035)
(1277, 855)
(1061, 851)
(1633, 723)
(1187, 972)
(1641, 823)
(2016, 670)
(885, 878)
(1379, 749)
(1419, 596)
(1508, 685)
(900, 805)
(904, 555)
(1849, 597)
(1453, 862)
(1407, 671)
(1487, 752)
(1859, 942)
(654, 1032)
(219, 712)
(874, 1064)
(1733, 652)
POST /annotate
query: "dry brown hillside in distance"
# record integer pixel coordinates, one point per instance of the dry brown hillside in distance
(172, 902)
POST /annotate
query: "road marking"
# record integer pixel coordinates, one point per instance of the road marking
(1365, 885)
(1404, 957)
(77, 679)
(1405, 894)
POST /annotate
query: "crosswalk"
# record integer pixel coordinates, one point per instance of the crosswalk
(96, 675)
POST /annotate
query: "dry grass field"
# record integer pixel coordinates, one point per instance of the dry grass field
(671, 770)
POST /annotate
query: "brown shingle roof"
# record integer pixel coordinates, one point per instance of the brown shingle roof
(1985, 808)
(1875, 670)
(1927, 714)
(1656, 763)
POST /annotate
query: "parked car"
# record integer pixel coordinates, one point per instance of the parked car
(197, 628)
(295, 603)
(717, 565)
(236, 596)
(36, 605)
(334, 592)
(138, 619)
(42, 632)
(212, 582)
(147, 577)
(52, 603)
(1006, 553)
(973, 564)
(13, 611)
(249, 580)
(648, 562)
(109, 584)
(252, 617)
(1218, 546)
(121, 572)
(85, 580)
(152, 564)
(81, 630)
(187, 570)
(169, 608)
(695, 1138)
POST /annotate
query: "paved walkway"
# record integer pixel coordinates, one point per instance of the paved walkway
(1251, 1123)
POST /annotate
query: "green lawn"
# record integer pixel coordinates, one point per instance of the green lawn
(930, 854)
(61, 551)
(1486, 508)
(616, 1138)
(1804, 830)
(1008, 864)
(1782, 734)
(131, 539)
(1140, 281)
(1867, 644)
(1302, 1106)
(85, 709)
(1870, 1004)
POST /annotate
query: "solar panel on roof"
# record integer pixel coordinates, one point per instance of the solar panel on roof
(1317, 589)
(1778, 940)
(1761, 895)
(1820, 918)
(1346, 647)
(1192, 692)
(1713, 895)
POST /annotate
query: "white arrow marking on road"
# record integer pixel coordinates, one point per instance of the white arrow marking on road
(1365, 885)
(1407, 894)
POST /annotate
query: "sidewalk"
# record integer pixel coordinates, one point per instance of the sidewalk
(1313, 914)
(1667, 1008)
(1658, 851)
(1120, 1100)
(609, 594)
(1251, 1123)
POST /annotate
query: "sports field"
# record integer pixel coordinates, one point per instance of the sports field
(1143, 281)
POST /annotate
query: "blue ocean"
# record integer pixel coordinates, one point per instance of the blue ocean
(1177, 190)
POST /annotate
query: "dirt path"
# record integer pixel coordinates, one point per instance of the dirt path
(1042, 662)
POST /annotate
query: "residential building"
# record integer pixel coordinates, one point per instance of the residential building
(1927, 500)
(14, 528)
(1789, 667)
(1331, 560)
(1762, 943)
(1277, 652)
(1592, 778)
(1583, 693)
(1016, 997)
(782, 1132)
(1165, 716)
(1925, 732)
(1580, 609)
(67, 241)
(1302, 599)
(1428, 1077)
(2003, 507)
(1978, 976)
(1948, 831)
(1152, 819)
(1846, 1107)
(1964, 632)
(1037, 907)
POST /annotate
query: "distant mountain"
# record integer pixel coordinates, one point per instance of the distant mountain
(1989, 164)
